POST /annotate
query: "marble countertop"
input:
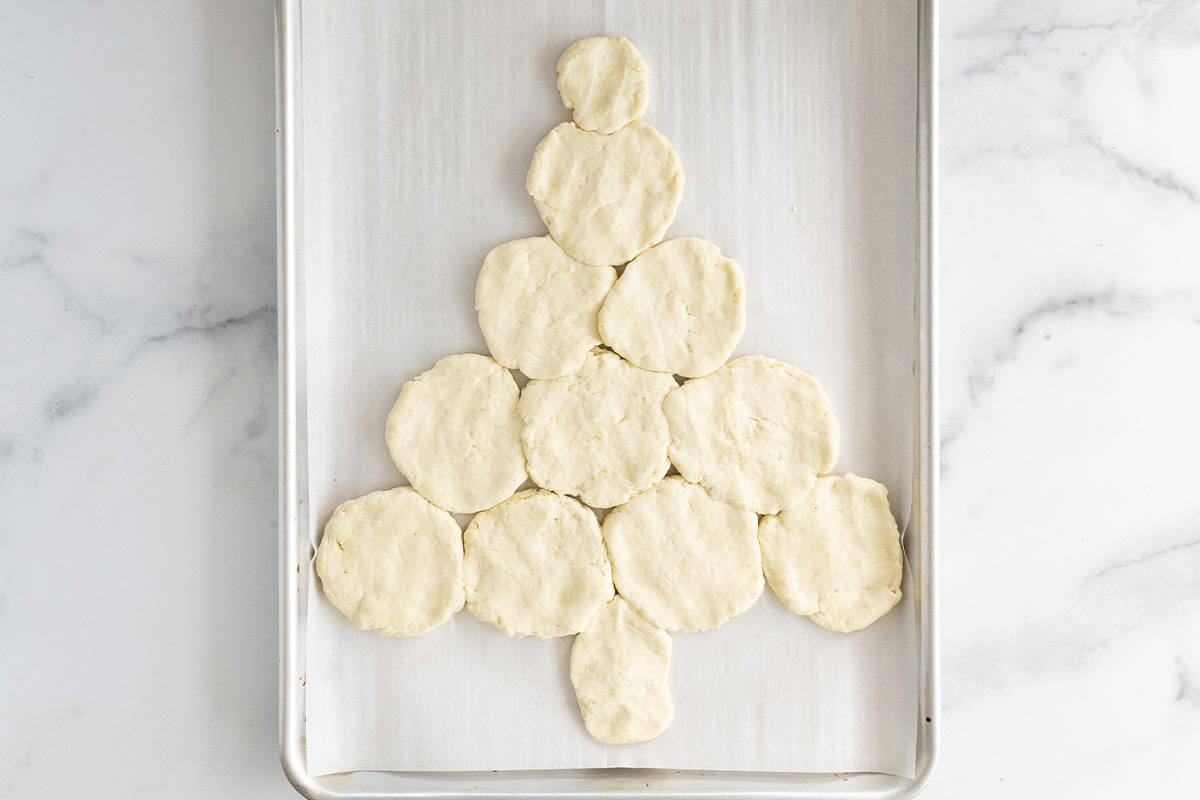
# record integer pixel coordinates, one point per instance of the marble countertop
(137, 431)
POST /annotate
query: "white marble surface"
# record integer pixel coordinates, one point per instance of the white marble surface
(137, 414)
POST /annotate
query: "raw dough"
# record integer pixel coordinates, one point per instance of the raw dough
(836, 557)
(605, 198)
(455, 434)
(537, 306)
(392, 562)
(535, 565)
(619, 668)
(685, 561)
(679, 307)
(604, 79)
(599, 434)
(755, 433)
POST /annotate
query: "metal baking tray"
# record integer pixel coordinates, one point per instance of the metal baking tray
(302, 429)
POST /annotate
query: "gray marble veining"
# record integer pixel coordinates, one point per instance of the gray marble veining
(137, 414)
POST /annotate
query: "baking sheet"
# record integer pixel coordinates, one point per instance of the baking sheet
(794, 124)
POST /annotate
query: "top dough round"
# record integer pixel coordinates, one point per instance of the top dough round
(605, 198)
(600, 433)
(392, 562)
(836, 557)
(604, 79)
(535, 565)
(620, 668)
(537, 306)
(679, 307)
(755, 433)
(455, 434)
(687, 562)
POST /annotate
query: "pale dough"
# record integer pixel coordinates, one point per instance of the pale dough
(392, 562)
(755, 433)
(600, 433)
(679, 307)
(604, 79)
(537, 306)
(685, 561)
(455, 434)
(836, 557)
(535, 565)
(604, 198)
(619, 668)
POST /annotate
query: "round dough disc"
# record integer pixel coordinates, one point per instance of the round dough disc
(392, 562)
(455, 434)
(605, 198)
(835, 558)
(535, 565)
(600, 433)
(619, 668)
(537, 306)
(685, 561)
(755, 433)
(604, 79)
(679, 307)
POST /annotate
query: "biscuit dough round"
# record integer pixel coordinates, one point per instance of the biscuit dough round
(392, 562)
(600, 433)
(455, 434)
(679, 307)
(755, 433)
(604, 198)
(604, 79)
(619, 667)
(836, 557)
(685, 561)
(537, 306)
(535, 565)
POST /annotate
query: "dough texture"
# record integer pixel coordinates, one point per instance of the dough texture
(537, 306)
(535, 565)
(600, 433)
(605, 198)
(836, 557)
(604, 79)
(679, 307)
(619, 668)
(392, 562)
(455, 434)
(755, 433)
(685, 561)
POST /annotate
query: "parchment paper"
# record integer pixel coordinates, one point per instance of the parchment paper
(795, 123)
